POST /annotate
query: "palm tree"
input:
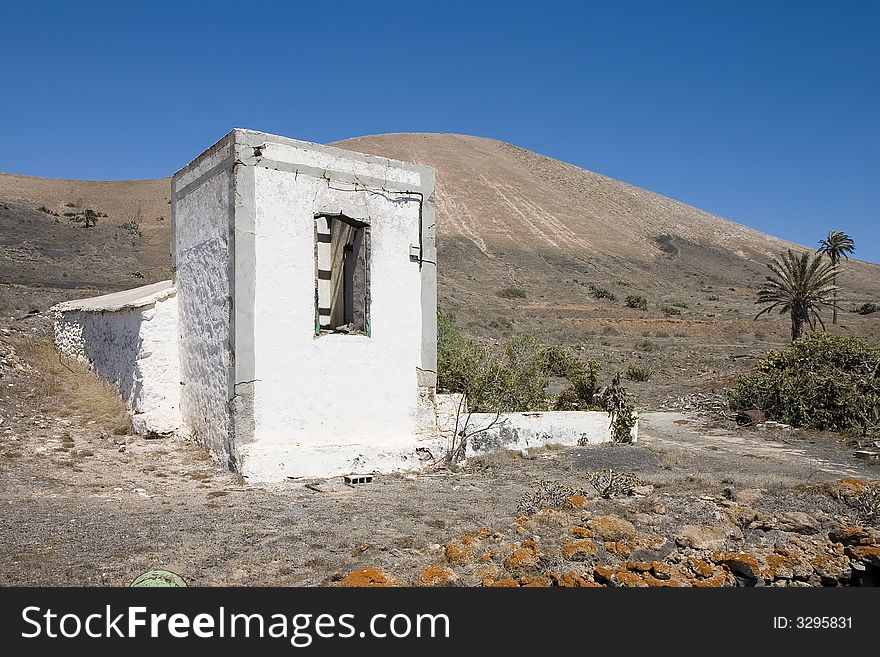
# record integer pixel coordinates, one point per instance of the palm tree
(835, 245)
(800, 287)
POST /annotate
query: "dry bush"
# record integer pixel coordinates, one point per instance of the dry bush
(66, 386)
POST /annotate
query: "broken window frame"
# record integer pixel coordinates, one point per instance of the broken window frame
(359, 315)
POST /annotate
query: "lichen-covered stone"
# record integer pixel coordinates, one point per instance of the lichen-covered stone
(368, 577)
(612, 528)
(436, 575)
(579, 550)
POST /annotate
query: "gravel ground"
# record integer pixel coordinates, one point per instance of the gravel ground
(81, 506)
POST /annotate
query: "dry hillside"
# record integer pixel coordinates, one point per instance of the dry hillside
(522, 238)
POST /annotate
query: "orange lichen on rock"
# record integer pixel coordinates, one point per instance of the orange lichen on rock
(368, 577)
(851, 536)
(867, 554)
(701, 567)
(458, 552)
(852, 484)
(740, 563)
(435, 575)
(572, 580)
(603, 574)
(575, 502)
(626, 578)
(579, 550)
(520, 558)
(620, 548)
(638, 566)
(612, 528)
(539, 581)
(785, 563)
(716, 581)
(524, 556)
(831, 566)
(487, 572)
(487, 556)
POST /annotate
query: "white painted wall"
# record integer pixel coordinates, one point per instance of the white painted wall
(522, 430)
(135, 347)
(201, 258)
(333, 403)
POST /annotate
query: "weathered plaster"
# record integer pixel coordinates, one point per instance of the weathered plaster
(130, 339)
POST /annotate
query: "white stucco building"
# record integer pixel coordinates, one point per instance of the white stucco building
(300, 337)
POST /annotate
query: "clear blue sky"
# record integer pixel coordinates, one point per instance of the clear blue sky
(763, 112)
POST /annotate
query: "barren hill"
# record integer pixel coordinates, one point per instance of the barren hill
(522, 238)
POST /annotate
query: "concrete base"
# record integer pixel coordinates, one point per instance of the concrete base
(261, 463)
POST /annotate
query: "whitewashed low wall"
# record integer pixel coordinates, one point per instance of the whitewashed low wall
(522, 430)
(130, 339)
(525, 430)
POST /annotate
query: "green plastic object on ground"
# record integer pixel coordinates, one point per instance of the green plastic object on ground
(159, 578)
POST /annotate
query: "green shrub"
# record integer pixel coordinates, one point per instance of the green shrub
(867, 309)
(637, 372)
(669, 311)
(822, 381)
(516, 378)
(637, 302)
(616, 402)
(602, 293)
(512, 293)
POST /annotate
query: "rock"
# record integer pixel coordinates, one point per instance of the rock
(579, 550)
(740, 563)
(436, 575)
(868, 555)
(534, 582)
(459, 552)
(851, 536)
(572, 580)
(575, 502)
(655, 550)
(611, 528)
(626, 578)
(487, 572)
(701, 538)
(798, 521)
(748, 496)
(525, 556)
(368, 577)
(701, 567)
(621, 549)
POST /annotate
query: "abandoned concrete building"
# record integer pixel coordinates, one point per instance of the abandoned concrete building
(298, 335)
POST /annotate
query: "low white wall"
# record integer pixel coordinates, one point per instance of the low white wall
(136, 349)
(522, 430)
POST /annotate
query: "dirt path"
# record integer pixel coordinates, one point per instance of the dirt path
(808, 456)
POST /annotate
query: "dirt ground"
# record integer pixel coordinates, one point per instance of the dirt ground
(81, 505)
